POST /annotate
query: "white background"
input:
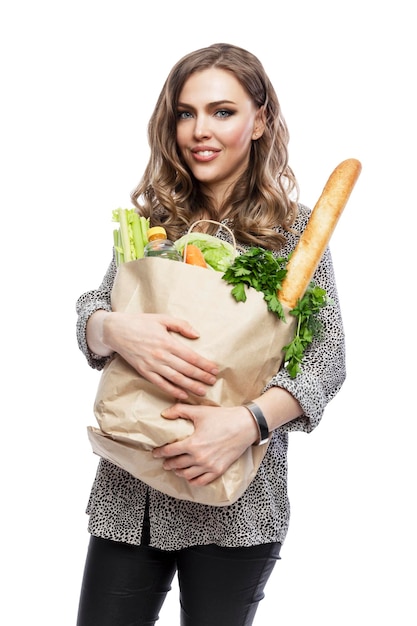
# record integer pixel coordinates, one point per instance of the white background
(79, 81)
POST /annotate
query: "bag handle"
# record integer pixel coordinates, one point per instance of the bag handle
(211, 222)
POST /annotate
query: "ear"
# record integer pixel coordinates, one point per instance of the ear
(259, 124)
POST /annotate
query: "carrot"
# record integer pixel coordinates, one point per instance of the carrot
(194, 256)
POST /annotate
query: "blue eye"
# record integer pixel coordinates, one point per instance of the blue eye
(224, 113)
(183, 115)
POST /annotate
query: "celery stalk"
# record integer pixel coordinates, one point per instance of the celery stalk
(137, 234)
(130, 238)
(124, 234)
(117, 247)
(144, 225)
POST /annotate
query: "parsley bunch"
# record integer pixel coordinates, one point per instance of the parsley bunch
(259, 269)
(308, 327)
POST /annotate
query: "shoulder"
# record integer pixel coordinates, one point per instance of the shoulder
(302, 218)
(292, 236)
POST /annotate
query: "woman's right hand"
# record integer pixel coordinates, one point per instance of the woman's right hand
(149, 344)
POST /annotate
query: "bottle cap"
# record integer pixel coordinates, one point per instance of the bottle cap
(156, 232)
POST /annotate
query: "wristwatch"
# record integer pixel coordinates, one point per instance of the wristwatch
(260, 421)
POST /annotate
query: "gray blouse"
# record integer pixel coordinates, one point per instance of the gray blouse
(117, 501)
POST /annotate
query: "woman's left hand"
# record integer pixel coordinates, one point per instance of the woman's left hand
(220, 437)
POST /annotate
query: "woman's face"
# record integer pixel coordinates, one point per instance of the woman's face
(217, 122)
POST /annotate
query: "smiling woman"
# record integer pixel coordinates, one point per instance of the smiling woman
(217, 121)
(240, 93)
(218, 151)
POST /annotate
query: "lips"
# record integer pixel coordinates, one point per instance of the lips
(203, 154)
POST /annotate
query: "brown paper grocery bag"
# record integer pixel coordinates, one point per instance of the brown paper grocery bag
(243, 338)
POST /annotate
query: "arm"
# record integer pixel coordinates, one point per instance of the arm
(147, 342)
(222, 434)
(324, 366)
(87, 305)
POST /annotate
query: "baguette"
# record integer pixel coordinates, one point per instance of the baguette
(315, 238)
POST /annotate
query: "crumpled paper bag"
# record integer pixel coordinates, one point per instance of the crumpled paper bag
(243, 338)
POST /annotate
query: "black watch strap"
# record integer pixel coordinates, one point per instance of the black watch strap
(261, 423)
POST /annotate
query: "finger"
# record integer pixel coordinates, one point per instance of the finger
(171, 451)
(166, 386)
(186, 411)
(203, 479)
(172, 365)
(189, 473)
(192, 364)
(169, 380)
(178, 463)
(184, 352)
(180, 381)
(182, 327)
(190, 378)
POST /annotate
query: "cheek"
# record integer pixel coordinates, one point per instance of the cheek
(182, 137)
(240, 136)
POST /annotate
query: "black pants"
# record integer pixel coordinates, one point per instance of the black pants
(126, 585)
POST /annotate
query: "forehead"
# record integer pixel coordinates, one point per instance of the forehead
(212, 85)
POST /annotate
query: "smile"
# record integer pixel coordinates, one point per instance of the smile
(205, 155)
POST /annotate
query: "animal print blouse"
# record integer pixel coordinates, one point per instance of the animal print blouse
(117, 501)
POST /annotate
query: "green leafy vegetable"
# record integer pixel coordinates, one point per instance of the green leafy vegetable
(258, 268)
(217, 253)
(131, 237)
(308, 327)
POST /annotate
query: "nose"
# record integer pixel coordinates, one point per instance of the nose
(202, 128)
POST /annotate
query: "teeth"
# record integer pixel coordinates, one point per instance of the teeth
(205, 152)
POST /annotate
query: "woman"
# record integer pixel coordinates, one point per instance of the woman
(218, 151)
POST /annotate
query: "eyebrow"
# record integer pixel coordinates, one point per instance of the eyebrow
(209, 104)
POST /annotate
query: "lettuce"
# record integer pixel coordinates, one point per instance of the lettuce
(218, 254)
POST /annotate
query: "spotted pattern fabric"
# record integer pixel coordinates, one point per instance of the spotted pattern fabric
(117, 501)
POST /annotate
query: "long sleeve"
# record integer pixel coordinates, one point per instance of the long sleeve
(323, 369)
(261, 515)
(86, 305)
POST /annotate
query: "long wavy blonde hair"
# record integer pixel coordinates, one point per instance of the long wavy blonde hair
(261, 199)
